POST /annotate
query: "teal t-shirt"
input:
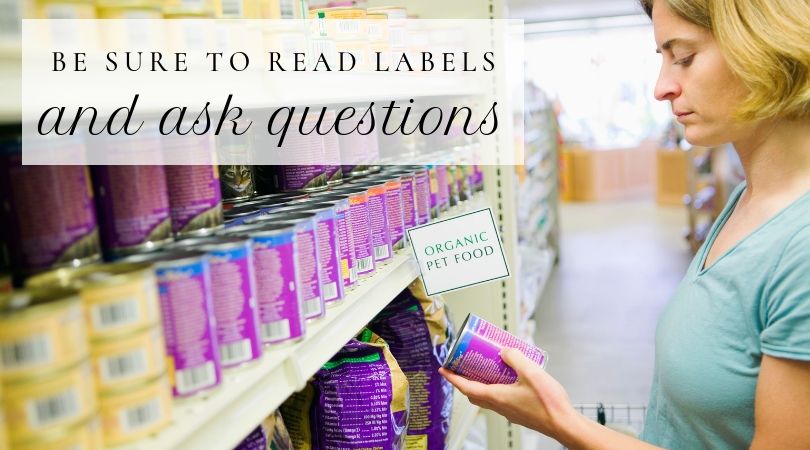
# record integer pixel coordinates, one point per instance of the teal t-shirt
(753, 301)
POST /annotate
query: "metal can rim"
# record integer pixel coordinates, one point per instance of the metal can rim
(48, 375)
(64, 297)
(117, 272)
(130, 387)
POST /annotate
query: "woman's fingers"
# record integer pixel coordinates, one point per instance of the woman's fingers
(515, 359)
(475, 391)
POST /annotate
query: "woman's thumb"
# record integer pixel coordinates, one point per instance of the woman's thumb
(515, 359)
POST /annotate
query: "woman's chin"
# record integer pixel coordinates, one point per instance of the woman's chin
(700, 137)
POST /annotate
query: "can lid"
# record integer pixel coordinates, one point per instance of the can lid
(210, 243)
(281, 195)
(92, 275)
(258, 229)
(36, 300)
(462, 330)
(180, 12)
(49, 436)
(129, 387)
(160, 256)
(47, 375)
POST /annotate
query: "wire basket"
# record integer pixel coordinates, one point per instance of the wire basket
(625, 418)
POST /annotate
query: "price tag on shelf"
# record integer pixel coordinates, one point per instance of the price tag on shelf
(459, 252)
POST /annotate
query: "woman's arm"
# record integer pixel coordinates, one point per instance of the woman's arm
(539, 402)
(782, 405)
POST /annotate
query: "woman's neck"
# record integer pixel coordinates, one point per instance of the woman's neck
(776, 159)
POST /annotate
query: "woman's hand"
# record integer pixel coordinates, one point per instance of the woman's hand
(535, 401)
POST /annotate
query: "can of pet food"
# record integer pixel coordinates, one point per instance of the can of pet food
(236, 182)
(378, 221)
(238, 215)
(133, 208)
(128, 359)
(348, 264)
(433, 182)
(189, 326)
(41, 331)
(85, 435)
(476, 353)
(408, 187)
(421, 182)
(361, 231)
(331, 152)
(234, 294)
(116, 298)
(47, 216)
(49, 401)
(394, 209)
(280, 316)
(292, 196)
(302, 177)
(195, 200)
(135, 411)
(478, 178)
(443, 185)
(308, 274)
(328, 242)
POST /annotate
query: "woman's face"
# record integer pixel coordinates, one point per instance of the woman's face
(696, 80)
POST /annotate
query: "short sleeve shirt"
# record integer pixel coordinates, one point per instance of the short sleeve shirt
(752, 301)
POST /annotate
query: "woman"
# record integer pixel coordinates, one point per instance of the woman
(733, 345)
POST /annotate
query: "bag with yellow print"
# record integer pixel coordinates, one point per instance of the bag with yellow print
(357, 400)
(419, 334)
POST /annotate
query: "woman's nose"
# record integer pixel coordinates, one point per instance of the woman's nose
(666, 88)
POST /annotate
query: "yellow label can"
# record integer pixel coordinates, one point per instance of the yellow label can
(128, 359)
(41, 331)
(84, 436)
(118, 299)
(49, 402)
(137, 411)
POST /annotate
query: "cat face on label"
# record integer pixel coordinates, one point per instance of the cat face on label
(236, 180)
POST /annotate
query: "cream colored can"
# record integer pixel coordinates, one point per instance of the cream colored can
(137, 411)
(84, 436)
(118, 299)
(41, 331)
(129, 359)
(49, 402)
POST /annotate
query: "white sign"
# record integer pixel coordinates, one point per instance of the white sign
(459, 252)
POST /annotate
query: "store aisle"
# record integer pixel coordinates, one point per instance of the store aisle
(619, 264)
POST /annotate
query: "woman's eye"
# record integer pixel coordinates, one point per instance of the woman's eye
(684, 61)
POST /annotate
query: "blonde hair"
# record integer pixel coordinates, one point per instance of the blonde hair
(766, 44)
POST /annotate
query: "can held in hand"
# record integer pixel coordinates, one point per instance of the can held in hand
(348, 263)
(476, 353)
(128, 359)
(189, 327)
(136, 411)
(234, 295)
(195, 200)
(41, 331)
(133, 208)
(280, 316)
(47, 215)
(327, 241)
(308, 274)
(116, 298)
(49, 401)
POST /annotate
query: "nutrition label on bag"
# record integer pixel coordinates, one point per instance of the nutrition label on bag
(459, 252)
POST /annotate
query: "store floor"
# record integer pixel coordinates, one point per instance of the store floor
(619, 264)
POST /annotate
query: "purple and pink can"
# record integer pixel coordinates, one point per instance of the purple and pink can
(277, 297)
(443, 181)
(328, 242)
(189, 324)
(233, 287)
(47, 217)
(378, 221)
(361, 231)
(409, 210)
(394, 209)
(195, 199)
(476, 353)
(133, 208)
(348, 264)
(308, 274)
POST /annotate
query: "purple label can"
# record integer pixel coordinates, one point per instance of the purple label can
(434, 191)
(476, 353)
(328, 242)
(189, 325)
(47, 217)
(443, 181)
(308, 274)
(394, 209)
(409, 214)
(421, 182)
(378, 222)
(477, 178)
(277, 297)
(195, 199)
(331, 151)
(348, 264)
(233, 286)
(361, 232)
(133, 208)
